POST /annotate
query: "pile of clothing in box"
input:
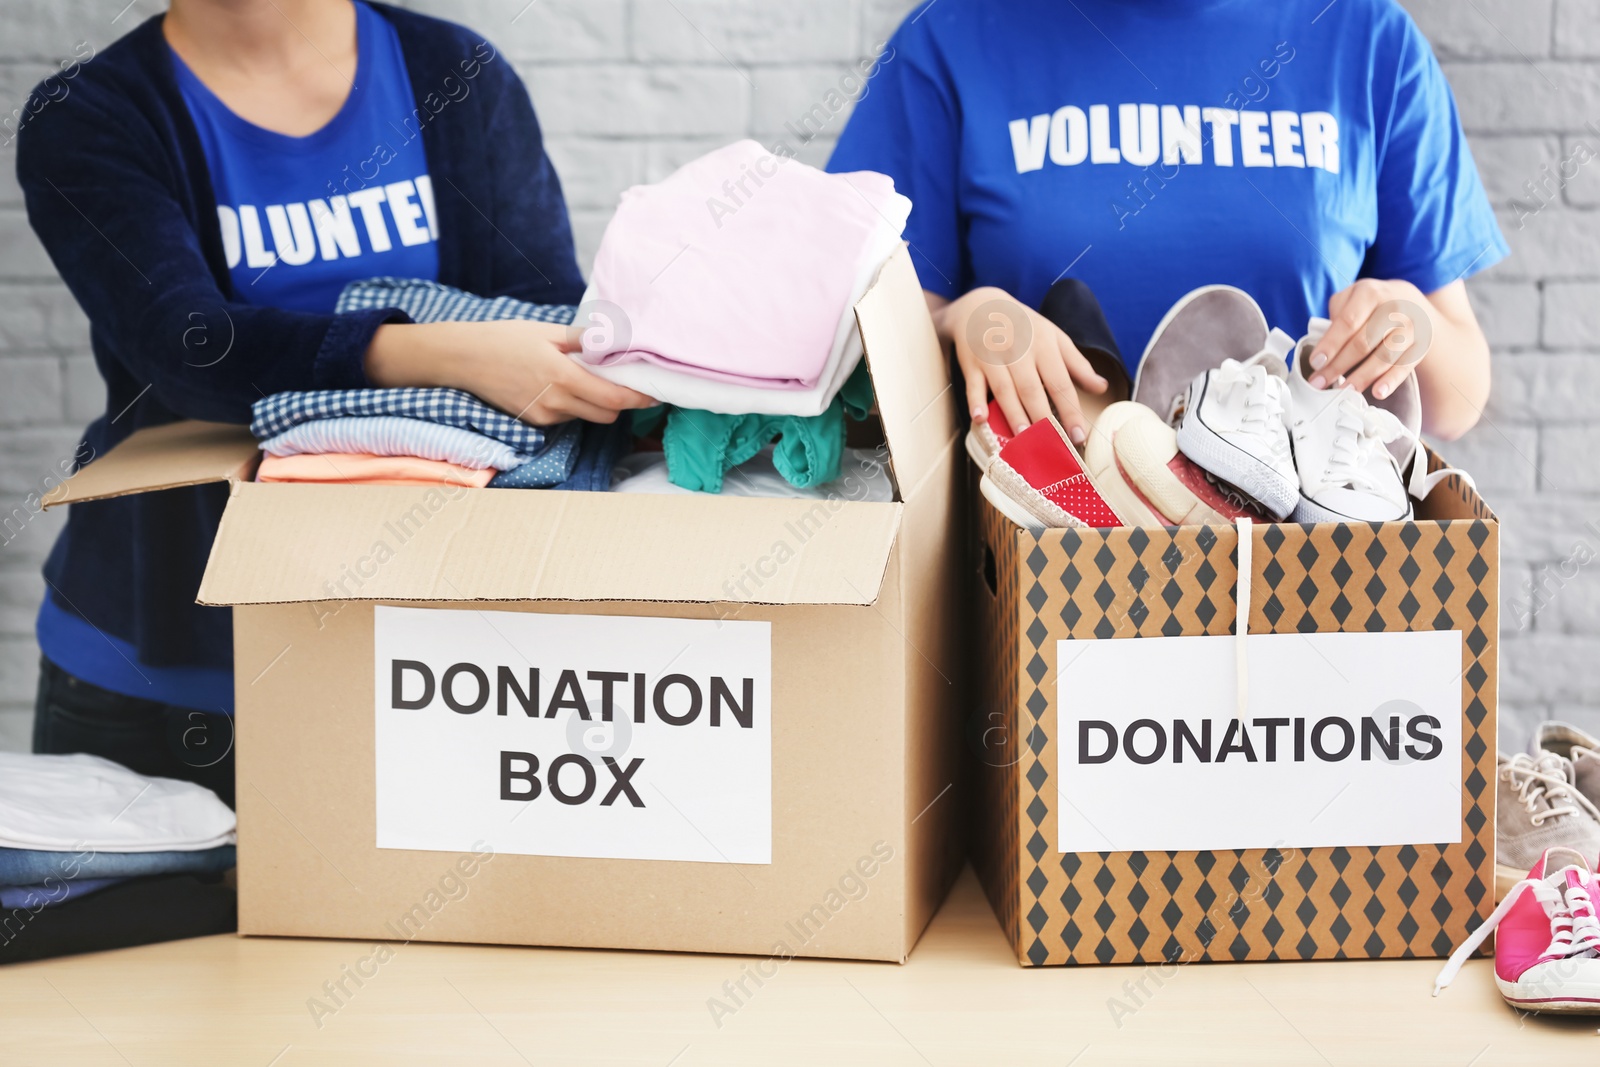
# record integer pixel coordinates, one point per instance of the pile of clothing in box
(755, 357)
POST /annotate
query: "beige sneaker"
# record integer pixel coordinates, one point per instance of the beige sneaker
(1581, 748)
(1538, 807)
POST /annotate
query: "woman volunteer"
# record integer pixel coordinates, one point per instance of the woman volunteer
(1307, 152)
(206, 188)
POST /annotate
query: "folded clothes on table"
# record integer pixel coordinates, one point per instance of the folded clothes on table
(50, 894)
(140, 911)
(76, 802)
(345, 468)
(31, 867)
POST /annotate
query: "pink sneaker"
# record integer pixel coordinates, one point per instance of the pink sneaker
(1547, 950)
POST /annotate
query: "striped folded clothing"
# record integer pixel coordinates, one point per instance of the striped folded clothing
(394, 435)
(448, 407)
(352, 468)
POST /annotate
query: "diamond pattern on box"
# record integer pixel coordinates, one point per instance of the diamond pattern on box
(1248, 904)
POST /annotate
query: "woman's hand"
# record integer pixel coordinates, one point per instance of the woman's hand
(1022, 357)
(1381, 330)
(522, 368)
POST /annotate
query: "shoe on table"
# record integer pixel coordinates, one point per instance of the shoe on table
(1039, 482)
(1134, 459)
(1547, 938)
(1583, 749)
(1538, 807)
(1235, 424)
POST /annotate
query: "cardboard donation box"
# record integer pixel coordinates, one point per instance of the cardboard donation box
(589, 719)
(1153, 789)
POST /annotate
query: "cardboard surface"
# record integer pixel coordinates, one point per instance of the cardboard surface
(308, 864)
(163, 457)
(919, 407)
(283, 542)
(866, 666)
(1241, 903)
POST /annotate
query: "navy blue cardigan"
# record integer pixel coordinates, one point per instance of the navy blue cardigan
(117, 189)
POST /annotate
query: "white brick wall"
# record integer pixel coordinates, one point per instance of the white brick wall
(628, 89)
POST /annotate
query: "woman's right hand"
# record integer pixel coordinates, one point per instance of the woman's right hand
(1022, 357)
(523, 368)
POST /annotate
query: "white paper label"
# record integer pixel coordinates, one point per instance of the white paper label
(602, 736)
(1349, 739)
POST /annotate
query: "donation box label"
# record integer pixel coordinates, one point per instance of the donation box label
(1344, 739)
(598, 736)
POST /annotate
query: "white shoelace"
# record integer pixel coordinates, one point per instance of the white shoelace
(1360, 430)
(1254, 393)
(1574, 929)
(1532, 782)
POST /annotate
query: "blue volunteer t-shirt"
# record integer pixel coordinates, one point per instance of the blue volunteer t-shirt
(301, 217)
(1149, 147)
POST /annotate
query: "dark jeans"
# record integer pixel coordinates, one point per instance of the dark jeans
(155, 739)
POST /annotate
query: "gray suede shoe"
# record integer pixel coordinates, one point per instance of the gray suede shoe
(1205, 327)
(1583, 749)
(1538, 807)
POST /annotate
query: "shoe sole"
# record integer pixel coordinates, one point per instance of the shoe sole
(1054, 517)
(978, 450)
(1309, 511)
(1554, 998)
(1101, 461)
(1166, 320)
(1235, 466)
(1010, 508)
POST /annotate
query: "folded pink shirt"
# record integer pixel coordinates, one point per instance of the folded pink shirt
(349, 468)
(736, 268)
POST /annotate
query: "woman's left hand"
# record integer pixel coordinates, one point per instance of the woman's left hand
(1381, 330)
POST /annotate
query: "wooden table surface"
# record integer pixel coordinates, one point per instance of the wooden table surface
(961, 1000)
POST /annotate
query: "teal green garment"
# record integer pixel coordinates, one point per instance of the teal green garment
(702, 446)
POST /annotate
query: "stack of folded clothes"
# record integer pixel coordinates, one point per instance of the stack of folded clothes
(747, 350)
(744, 347)
(94, 856)
(422, 437)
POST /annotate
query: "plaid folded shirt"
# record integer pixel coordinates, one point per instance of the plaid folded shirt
(426, 301)
(431, 302)
(271, 416)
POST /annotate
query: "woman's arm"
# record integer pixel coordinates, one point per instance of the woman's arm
(1383, 330)
(105, 202)
(522, 368)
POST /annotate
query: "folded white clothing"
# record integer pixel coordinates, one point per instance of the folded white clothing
(395, 435)
(671, 386)
(76, 802)
(864, 476)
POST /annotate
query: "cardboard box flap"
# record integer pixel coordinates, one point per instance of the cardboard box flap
(284, 543)
(162, 457)
(909, 373)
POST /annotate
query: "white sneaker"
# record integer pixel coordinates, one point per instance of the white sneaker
(1347, 471)
(1235, 425)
